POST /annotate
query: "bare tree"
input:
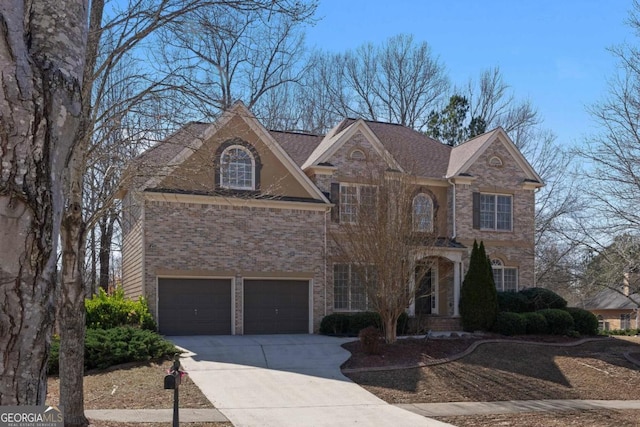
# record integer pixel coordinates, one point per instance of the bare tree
(122, 32)
(382, 245)
(612, 158)
(42, 55)
(399, 81)
(216, 55)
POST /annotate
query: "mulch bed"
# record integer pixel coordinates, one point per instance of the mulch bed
(414, 351)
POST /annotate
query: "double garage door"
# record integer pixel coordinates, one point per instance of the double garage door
(205, 306)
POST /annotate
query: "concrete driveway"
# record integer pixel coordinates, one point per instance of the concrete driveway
(285, 380)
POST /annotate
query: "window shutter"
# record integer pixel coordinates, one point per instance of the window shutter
(476, 210)
(335, 199)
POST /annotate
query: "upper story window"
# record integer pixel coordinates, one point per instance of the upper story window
(506, 278)
(354, 198)
(422, 213)
(493, 212)
(237, 168)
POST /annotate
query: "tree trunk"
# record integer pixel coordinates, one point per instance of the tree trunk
(93, 275)
(42, 50)
(389, 324)
(72, 318)
(106, 236)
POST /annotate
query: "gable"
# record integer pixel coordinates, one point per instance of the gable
(494, 157)
(338, 145)
(195, 168)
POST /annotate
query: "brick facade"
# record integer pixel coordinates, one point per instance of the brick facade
(206, 240)
(196, 233)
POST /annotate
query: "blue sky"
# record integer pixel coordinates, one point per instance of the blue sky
(553, 52)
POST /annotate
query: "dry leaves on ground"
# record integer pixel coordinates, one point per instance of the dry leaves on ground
(516, 371)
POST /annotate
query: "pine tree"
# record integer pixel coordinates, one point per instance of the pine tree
(478, 296)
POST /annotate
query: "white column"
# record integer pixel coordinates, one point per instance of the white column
(457, 270)
(412, 288)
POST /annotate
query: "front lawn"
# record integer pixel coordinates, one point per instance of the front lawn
(516, 371)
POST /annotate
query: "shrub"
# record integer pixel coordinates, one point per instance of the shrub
(108, 347)
(352, 324)
(627, 332)
(335, 324)
(508, 323)
(106, 311)
(585, 322)
(559, 321)
(370, 339)
(478, 296)
(362, 320)
(514, 302)
(541, 299)
(535, 323)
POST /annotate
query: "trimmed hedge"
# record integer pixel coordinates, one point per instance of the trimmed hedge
(541, 299)
(535, 323)
(585, 322)
(559, 321)
(106, 311)
(108, 347)
(627, 332)
(514, 302)
(350, 324)
(508, 323)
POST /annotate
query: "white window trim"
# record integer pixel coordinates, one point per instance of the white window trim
(413, 213)
(253, 168)
(349, 309)
(358, 188)
(497, 264)
(495, 219)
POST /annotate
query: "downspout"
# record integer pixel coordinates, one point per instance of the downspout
(326, 212)
(453, 209)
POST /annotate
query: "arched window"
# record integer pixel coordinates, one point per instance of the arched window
(357, 154)
(422, 213)
(506, 278)
(237, 168)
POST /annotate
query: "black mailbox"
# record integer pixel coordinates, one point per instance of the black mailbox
(171, 381)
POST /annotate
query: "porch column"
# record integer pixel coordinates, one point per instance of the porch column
(457, 267)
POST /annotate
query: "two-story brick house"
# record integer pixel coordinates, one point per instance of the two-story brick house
(226, 226)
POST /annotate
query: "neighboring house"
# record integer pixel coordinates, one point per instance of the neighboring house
(615, 309)
(226, 226)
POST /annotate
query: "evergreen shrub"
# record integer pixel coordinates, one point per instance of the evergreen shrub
(106, 311)
(559, 321)
(535, 323)
(478, 296)
(541, 298)
(508, 323)
(585, 322)
(107, 347)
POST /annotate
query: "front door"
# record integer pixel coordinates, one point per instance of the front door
(424, 291)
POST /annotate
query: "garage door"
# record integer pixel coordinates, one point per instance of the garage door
(276, 306)
(194, 306)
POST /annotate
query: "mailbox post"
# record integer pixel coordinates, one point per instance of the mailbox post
(172, 382)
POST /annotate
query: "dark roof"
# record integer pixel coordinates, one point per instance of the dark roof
(414, 151)
(609, 299)
(148, 164)
(298, 146)
(235, 194)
